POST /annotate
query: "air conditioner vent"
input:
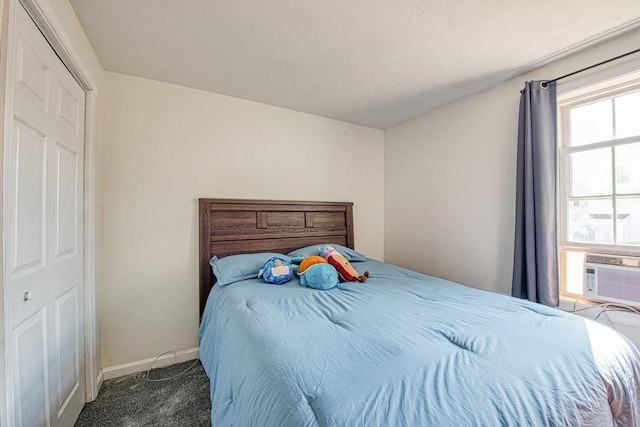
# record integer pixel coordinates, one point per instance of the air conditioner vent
(612, 278)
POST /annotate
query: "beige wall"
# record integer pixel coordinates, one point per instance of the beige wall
(450, 180)
(164, 147)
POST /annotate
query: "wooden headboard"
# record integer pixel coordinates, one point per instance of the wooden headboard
(229, 227)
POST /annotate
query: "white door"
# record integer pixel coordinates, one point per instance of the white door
(43, 213)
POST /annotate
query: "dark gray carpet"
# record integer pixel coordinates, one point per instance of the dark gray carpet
(132, 401)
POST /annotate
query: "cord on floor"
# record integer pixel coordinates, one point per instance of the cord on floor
(174, 361)
(604, 309)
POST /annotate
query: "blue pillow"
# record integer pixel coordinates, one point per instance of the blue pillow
(233, 268)
(350, 254)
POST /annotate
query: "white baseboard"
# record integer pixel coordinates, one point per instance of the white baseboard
(144, 365)
(99, 382)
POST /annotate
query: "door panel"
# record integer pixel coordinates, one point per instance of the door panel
(69, 108)
(31, 396)
(67, 172)
(33, 73)
(30, 209)
(67, 333)
(44, 225)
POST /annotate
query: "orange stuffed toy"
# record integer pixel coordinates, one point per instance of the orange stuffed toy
(309, 261)
(345, 269)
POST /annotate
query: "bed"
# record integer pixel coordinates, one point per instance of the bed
(402, 349)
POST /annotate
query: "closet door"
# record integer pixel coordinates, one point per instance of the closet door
(43, 232)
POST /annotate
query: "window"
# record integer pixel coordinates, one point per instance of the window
(599, 170)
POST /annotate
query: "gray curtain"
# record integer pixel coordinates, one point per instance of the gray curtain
(535, 265)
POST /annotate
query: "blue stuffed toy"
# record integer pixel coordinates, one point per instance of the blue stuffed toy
(320, 276)
(276, 271)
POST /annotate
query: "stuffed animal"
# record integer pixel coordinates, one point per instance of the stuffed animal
(276, 271)
(344, 268)
(319, 276)
(308, 262)
(315, 272)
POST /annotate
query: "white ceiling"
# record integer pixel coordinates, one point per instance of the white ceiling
(375, 63)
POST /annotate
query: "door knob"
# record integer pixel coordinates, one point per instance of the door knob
(27, 296)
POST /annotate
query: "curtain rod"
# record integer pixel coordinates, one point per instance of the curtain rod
(591, 66)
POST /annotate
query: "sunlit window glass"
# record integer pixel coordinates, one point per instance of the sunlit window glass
(590, 221)
(591, 172)
(592, 123)
(628, 218)
(628, 168)
(627, 115)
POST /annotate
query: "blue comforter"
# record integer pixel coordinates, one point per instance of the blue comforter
(405, 349)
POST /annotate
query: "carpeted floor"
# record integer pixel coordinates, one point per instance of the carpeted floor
(132, 401)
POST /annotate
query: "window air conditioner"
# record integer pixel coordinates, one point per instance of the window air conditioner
(612, 278)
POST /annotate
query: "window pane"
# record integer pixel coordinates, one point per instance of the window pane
(590, 173)
(628, 115)
(628, 213)
(592, 123)
(590, 221)
(573, 264)
(628, 169)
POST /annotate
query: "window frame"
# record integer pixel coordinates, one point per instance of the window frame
(610, 83)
